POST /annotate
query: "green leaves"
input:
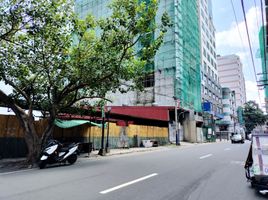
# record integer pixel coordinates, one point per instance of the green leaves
(253, 115)
(53, 59)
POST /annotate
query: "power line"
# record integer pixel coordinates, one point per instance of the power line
(253, 64)
(239, 32)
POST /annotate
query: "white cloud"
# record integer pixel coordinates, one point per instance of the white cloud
(230, 38)
(252, 93)
(229, 42)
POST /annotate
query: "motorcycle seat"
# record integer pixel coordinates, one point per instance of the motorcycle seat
(64, 149)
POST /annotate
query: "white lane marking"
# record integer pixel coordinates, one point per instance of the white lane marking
(128, 183)
(14, 172)
(205, 156)
(227, 149)
(236, 162)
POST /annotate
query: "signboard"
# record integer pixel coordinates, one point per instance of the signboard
(207, 106)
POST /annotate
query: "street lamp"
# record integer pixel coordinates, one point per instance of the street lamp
(109, 108)
(176, 121)
(101, 151)
(180, 126)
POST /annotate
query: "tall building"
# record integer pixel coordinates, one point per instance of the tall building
(176, 78)
(231, 76)
(228, 124)
(263, 82)
(263, 40)
(176, 64)
(210, 87)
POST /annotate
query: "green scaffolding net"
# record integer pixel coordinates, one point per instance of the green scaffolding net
(178, 59)
(263, 81)
(179, 56)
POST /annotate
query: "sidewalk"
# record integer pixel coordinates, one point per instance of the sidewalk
(15, 164)
(141, 149)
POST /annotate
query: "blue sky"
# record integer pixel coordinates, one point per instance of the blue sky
(228, 40)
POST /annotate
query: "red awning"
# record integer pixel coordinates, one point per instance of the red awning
(160, 113)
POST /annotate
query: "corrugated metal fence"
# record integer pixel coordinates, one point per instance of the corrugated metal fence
(12, 142)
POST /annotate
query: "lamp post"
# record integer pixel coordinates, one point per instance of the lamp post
(101, 151)
(176, 121)
(180, 127)
(107, 139)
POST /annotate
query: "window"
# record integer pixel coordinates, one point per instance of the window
(206, 91)
(208, 58)
(148, 80)
(204, 52)
(205, 78)
(205, 66)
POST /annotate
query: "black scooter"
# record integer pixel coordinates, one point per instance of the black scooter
(55, 152)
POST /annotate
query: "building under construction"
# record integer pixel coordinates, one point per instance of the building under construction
(176, 77)
(263, 80)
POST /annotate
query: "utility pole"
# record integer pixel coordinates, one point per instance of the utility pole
(102, 150)
(176, 122)
(107, 150)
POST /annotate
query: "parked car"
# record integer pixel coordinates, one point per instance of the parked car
(249, 136)
(237, 138)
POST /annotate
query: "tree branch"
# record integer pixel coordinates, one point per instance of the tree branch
(20, 91)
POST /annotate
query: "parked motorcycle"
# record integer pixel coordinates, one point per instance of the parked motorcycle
(55, 152)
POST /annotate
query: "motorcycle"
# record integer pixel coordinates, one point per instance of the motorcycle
(55, 152)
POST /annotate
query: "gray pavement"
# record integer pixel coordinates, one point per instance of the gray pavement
(193, 172)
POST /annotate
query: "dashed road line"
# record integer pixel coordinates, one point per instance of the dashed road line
(205, 156)
(128, 183)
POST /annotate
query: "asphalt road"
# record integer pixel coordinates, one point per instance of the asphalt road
(200, 172)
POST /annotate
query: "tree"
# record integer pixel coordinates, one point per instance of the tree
(253, 116)
(52, 59)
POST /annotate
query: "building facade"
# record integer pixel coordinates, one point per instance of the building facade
(176, 78)
(231, 75)
(263, 80)
(227, 125)
(210, 87)
(176, 64)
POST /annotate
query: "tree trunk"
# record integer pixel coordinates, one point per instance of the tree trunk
(31, 138)
(27, 123)
(47, 134)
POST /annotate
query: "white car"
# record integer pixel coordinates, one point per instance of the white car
(249, 136)
(237, 138)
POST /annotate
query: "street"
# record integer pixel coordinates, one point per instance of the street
(204, 172)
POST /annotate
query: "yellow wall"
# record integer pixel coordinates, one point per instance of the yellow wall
(10, 127)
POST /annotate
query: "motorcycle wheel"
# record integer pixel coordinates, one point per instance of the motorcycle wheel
(42, 164)
(72, 159)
